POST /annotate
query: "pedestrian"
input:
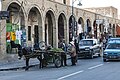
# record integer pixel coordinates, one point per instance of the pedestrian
(63, 45)
(73, 53)
(104, 42)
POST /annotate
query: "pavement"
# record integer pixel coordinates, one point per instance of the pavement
(18, 64)
(13, 63)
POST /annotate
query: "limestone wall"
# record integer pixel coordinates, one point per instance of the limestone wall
(2, 39)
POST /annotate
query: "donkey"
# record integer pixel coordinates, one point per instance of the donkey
(27, 52)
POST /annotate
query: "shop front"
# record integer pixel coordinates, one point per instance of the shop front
(14, 34)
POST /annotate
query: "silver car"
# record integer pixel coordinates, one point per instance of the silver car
(89, 48)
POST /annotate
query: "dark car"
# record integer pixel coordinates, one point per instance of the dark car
(112, 51)
(89, 48)
(109, 41)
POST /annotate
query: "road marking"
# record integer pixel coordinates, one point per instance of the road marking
(95, 66)
(70, 75)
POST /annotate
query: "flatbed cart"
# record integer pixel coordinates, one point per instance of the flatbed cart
(44, 55)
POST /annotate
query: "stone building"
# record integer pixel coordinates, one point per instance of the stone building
(109, 11)
(49, 21)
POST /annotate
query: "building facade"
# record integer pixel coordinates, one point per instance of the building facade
(49, 21)
(109, 11)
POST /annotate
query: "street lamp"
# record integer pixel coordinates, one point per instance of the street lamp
(73, 19)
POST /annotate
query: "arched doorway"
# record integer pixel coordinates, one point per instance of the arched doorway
(16, 14)
(50, 28)
(80, 28)
(15, 26)
(61, 26)
(110, 30)
(34, 26)
(80, 25)
(88, 28)
(72, 25)
(95, 29)
(113, 30)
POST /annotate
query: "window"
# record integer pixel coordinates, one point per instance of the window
(113, 46)
(86, 42)
(29, 33)
(64, 1)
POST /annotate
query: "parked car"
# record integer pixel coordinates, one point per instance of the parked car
(89, 48)
(112, 51)
(109, 41)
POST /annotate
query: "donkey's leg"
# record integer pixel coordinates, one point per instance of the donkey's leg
(27, 64)
(40, 60)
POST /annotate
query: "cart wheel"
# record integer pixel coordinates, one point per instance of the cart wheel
(57, 62)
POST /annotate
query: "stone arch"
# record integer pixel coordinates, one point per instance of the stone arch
(15, 24)
(72, 24)
(16, 21)
(88, 28)
(80, 25)
(110, 29)
(88, 25)
(34, 25)
(62, 26)
(50, 28)
(18, 3)
(114, 30)
(16, 13)
(36, 6)
(95, 29)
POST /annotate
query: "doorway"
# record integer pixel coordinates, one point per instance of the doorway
(36, 34)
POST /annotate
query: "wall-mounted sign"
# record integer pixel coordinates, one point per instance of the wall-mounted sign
(0, 5)
(99, 21)
(4, 14)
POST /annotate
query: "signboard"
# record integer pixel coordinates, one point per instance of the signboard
(0, 5)
(99, 21)
(4, 14)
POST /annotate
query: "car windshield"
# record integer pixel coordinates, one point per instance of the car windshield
(86, 42)
(113, 46)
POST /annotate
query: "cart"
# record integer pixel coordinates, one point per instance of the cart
(45, 54)
(50, 57)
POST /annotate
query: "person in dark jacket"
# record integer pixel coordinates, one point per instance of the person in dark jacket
(63, 45)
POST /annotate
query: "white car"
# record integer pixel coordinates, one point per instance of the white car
(89, 48)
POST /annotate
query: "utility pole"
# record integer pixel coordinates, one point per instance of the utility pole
(73, 19)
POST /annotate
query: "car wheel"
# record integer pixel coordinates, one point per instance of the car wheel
(105, 60)
(99, 55)
(91, 56)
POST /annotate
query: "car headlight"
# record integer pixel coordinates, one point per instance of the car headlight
(105, 53)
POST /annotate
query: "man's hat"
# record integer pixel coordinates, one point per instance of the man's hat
(72, 42)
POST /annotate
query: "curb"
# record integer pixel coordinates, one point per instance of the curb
(17, 68)
(22, 67)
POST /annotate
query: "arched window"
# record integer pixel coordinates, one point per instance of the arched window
(64, 1)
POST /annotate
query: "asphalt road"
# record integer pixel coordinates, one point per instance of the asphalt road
(86, 69)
